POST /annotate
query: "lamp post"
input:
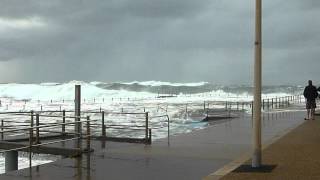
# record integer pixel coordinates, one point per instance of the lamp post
(256, 156)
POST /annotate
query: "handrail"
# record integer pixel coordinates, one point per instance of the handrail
(43, 126)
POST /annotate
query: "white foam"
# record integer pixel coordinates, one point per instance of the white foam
(161, 83)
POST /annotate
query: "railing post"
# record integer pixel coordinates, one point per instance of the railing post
(32, 123)
(186, 111)
(88, 134)
(30, 140)
(168, 130)
(2, 125)
(37, 129)
(78, 114)
(103, 126)
(63, 130)
(147, 126)
(150, 137)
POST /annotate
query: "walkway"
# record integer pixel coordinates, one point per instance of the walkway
(294, 156)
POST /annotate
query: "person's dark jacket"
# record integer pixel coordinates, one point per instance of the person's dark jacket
(310, 93)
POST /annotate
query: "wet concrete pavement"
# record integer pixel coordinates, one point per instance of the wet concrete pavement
(294, 156)
(188, 156)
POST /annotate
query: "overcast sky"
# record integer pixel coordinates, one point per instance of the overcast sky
(166, 40)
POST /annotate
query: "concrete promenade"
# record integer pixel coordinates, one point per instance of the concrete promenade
(294, 156)
(190, 156)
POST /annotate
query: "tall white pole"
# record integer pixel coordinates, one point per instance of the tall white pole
(256, 158)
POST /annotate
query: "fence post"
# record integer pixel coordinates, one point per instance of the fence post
(2, 125)
(78, 114)
(88, 134)
(30, 139)
(31, 121)
(150, 137)
(168, 130)
(186, 111)
(147, 126)
(63, 122)
(37, 129)
(103, 126)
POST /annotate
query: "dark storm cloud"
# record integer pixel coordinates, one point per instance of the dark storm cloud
(170, 40)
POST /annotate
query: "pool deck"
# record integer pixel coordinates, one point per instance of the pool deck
(194, 155)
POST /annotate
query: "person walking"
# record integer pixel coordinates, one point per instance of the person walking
(310, 93)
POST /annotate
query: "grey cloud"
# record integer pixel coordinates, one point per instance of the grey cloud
(170, 40)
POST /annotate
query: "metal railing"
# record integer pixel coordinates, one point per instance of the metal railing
(37, 143)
